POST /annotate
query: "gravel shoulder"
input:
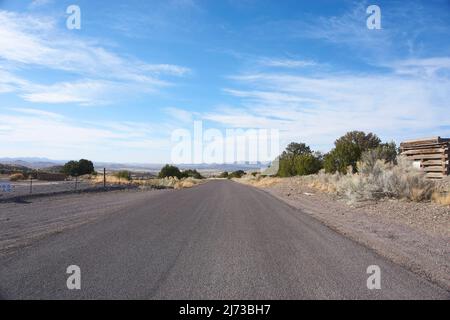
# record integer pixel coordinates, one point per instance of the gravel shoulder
(414, 235)
(25, 221)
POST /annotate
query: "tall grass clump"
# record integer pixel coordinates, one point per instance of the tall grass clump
(376, 179)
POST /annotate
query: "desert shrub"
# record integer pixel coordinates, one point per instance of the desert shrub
(386, 152)
(123, 174)
(361, 139)
(236, 174)
(78, 168)
(171, 182)
(348, 150)
(298, 159)
(192, 174)
(170, 171)
(17, 177)
(441, 197)
(344, 155)
(381, 180)
(223, 175)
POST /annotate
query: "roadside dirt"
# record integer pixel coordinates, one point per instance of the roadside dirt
(25, 221)
(415, 235)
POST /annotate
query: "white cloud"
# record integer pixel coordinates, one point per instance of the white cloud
(28, 41)
(286, 63)
(38, 112)
(422, 67)
(179, 114)
(318, 109)
(39, 3)
(35, 132)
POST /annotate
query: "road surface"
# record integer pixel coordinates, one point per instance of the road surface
(220, 240)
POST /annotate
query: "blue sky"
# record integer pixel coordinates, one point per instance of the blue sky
(116, 89)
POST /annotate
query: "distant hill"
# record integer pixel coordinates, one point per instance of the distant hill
(11, 168)
(34, 163)
(54, 165)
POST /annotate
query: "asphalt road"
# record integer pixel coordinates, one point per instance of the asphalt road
(220, 240)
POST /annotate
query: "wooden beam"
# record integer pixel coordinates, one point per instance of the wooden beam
(424, 151)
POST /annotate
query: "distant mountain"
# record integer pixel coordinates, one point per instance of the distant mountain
(11, 168)
(52, 165)
(34, 163)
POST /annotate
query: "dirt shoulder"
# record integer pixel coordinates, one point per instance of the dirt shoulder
(415, 235)
(26, 221)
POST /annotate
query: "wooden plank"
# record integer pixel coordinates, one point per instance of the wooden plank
(437, 175)
(424, 151)
(422, 141)
(441, 157)
(425, 146)
(433, 162)
(433, 169)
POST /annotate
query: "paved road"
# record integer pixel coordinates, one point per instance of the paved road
(220, 240)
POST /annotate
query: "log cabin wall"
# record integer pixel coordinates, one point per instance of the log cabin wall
(432, 155)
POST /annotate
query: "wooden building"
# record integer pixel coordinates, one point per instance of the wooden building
(430, 155)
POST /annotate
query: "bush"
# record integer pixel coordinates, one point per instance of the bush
(78, 168)
(386, 152)
(223, 174)
(344, 155)
(348, 150)
(382, 180)
(124, 174)
(361, 139)
(191, 174)
(170, 171)
(17, 177)
(236, 174)
(298, 159)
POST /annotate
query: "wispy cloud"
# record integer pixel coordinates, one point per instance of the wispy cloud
(27, 41)
(318, 109)
(286, 63)
(39, 3)
(53, 135)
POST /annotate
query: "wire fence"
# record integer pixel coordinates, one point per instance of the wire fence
(16, 189)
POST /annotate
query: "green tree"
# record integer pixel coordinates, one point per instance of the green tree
(348, 150)
(223, 174)
(295, 149)
(85, 167)
(78, 168)
(170, 171)
(306, 164)
(123, 174)
(361, 139)
(345, 154)
(236, 174)
(298, 159)
(192, 173)
(70, 168)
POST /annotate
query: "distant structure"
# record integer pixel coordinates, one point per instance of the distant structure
(431, 155)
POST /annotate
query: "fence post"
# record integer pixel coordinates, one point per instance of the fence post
(76, 182)
(31, 184)
(104, 178)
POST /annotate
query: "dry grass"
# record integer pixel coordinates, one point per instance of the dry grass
(375, 181)
(171, 182)
(110, 179)
(259, 181)
(16, 177)
(442, 198)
